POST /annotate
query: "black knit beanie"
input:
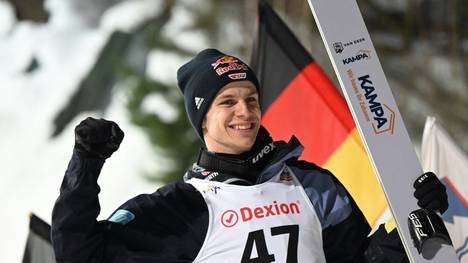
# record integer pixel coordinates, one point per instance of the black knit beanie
(201, 78)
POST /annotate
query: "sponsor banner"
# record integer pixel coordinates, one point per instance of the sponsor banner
(38, 245)
(443, 156)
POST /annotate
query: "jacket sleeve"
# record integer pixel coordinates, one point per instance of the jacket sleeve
(345, 231)
(385, 246)
(344, 227)
(168, 225)
(76, 235)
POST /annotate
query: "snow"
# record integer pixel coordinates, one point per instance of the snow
(160, 72)
(154, 102)
(7, 18)
(33, 163)
(180, 25)
(137, 10)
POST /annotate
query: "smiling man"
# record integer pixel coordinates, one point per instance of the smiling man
(246, 199)
(231, 124)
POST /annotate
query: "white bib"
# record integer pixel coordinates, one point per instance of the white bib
(269, 222)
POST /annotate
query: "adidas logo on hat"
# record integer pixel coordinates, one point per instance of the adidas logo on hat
(198, 102)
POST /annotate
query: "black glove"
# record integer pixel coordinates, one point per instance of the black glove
(430, 192)
(97, 138)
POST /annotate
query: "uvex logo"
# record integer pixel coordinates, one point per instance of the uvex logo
(268, 148)
(230, 217)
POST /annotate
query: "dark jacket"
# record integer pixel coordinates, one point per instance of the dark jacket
(170, 225)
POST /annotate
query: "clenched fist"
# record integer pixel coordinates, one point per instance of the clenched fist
(431, 193)
(97, 138)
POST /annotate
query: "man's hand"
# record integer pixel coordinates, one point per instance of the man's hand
(97, 138)
(430, 192)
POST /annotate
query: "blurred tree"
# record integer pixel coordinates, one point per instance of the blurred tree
(172, 139)
(31, 10)
(90, 11)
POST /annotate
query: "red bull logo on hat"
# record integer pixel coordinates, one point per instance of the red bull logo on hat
(232, 64)
(224, 60)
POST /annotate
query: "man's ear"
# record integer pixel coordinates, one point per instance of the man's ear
(203, 125)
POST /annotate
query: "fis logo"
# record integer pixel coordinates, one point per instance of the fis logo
(382, 116)
(362, 54)
(211, 189)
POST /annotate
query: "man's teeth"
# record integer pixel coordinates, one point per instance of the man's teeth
(242, 127)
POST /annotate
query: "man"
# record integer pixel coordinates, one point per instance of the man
(246, 199)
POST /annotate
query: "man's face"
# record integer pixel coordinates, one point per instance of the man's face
(233, 119)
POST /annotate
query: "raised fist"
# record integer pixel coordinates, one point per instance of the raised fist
(430, 192)
(97, 138)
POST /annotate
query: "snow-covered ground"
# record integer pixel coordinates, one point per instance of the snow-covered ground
(31, 163)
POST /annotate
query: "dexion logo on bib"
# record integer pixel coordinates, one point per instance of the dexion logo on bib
(231, 217)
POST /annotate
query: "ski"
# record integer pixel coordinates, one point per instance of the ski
(376, 115)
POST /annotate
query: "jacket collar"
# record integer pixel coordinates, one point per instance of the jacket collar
(261, 163)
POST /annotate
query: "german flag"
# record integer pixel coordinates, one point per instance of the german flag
(299, 99)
